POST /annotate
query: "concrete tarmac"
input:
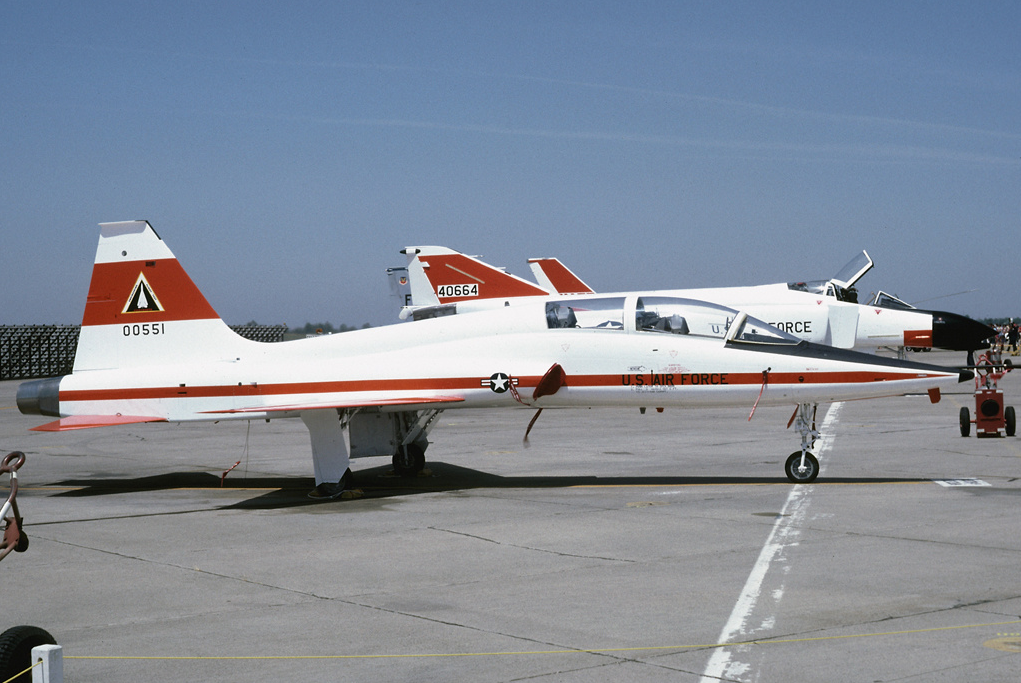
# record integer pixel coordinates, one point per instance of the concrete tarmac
(618, 546)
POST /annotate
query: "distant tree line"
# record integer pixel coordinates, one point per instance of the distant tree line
(328, 328)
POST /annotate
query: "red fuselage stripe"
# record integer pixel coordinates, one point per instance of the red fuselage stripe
(465, 383)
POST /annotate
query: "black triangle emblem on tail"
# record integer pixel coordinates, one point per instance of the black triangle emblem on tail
(142, 299)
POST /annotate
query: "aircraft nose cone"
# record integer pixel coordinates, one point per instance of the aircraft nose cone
(958, 332)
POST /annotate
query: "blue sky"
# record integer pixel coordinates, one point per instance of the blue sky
(287, 152)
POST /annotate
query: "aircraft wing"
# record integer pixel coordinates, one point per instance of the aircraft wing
(336, 405)
(73, 422)
(66, 424)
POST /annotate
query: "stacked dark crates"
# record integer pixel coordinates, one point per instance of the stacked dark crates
(34, 351)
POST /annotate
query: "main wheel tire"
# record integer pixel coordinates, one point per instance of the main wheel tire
(1010, 419)
(16, 645)
(409, 460)
(965, 422)
(798, 476)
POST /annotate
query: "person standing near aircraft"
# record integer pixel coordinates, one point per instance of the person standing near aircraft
(1013, 335)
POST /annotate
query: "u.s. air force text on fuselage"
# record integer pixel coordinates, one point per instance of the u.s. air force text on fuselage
(794, 326)
(667, 380)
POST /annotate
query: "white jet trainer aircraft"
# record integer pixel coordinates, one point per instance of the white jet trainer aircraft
(152, 349)
(442, 280)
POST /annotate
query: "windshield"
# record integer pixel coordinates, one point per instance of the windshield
(589, 314)
(884, 300)
(821, 287)
(753, 331)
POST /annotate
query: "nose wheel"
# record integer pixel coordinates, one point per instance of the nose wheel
(801, 468)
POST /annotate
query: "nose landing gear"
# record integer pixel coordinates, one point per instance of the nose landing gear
(802, 467)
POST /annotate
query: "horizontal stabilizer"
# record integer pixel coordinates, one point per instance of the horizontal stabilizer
(334, 405)
(66, 424)
(553, 275)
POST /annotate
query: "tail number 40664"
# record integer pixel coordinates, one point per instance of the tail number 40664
(457, 290)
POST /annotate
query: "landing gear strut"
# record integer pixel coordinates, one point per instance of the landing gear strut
(802, 467)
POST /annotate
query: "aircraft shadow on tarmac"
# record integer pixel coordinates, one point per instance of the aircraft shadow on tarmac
(380, 483)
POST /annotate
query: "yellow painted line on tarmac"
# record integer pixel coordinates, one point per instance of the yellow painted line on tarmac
(518, 653)
(764, 483)
(1005, 643)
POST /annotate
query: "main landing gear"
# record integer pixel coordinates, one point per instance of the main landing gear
(340, 435)
(802, 467)
(409, 460)
(411, 430)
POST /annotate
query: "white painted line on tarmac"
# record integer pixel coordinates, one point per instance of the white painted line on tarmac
(785, 533)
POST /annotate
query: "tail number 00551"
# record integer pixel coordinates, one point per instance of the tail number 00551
(145, 330)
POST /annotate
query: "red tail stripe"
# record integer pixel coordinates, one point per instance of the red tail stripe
(113, 283)
(456, 269)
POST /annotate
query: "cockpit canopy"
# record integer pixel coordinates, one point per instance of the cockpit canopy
(841, 285)
(664, 315)
(702, 319)
(588, 314)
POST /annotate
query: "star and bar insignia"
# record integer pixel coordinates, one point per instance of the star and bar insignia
(499, 382)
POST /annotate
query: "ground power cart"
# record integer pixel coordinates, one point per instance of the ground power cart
(992, 418)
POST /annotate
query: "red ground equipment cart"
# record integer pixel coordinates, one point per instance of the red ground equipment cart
(14, 538)
(992, 418)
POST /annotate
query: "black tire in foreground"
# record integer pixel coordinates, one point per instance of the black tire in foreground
(16, 645)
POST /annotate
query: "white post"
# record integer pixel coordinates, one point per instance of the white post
(52, 668)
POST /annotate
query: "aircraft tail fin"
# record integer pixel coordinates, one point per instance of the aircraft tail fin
(400, 289)
(556, 277)
(142, 308)
(439, 275)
